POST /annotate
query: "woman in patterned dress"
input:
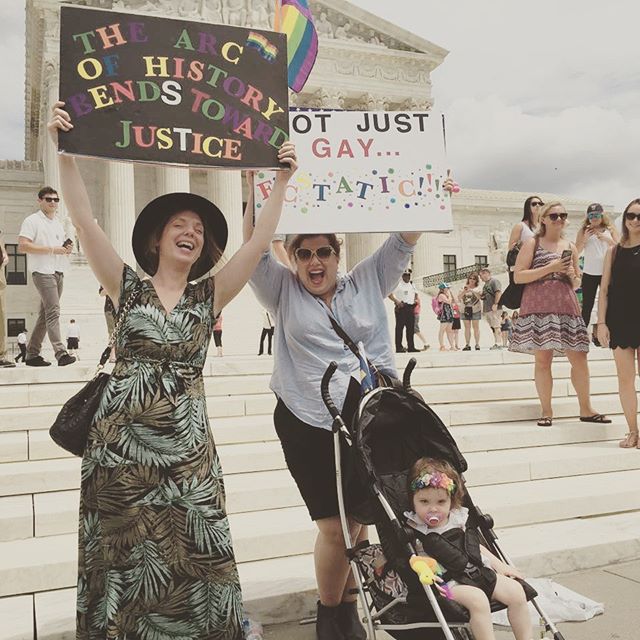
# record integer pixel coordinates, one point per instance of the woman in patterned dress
(550, 319)
(155, 553)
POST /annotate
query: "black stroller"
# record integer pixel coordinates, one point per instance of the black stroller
(393, 428)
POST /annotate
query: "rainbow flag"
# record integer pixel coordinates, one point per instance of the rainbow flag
(293, 17)
(265, 48)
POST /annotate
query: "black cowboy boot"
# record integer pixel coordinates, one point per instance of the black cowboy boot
(328, 624)
(349, 621)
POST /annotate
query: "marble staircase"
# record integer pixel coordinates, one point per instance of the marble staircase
(563, 498)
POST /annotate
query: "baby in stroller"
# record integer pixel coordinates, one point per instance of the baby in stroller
(472, 573)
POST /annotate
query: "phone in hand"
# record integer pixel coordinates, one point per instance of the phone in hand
(567, 253)
(67, 243)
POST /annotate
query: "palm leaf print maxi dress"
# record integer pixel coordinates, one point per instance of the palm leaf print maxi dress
(155, 554)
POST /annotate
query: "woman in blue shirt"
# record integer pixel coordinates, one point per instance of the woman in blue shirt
(302, 299)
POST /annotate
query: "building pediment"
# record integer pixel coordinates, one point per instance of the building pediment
(346, 21)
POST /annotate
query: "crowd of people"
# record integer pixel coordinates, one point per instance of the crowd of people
(150, 450)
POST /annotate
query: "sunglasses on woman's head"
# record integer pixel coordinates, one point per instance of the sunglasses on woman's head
(305, 255)
(50, 199)
(556, 216)
(632, 216)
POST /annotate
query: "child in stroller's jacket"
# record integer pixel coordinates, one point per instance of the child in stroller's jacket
(472, 573)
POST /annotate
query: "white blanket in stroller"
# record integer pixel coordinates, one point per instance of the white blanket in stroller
(558, 602)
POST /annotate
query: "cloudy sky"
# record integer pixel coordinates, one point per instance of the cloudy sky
(539, 96)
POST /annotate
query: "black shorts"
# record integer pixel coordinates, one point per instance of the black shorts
(72, 343)
(309, 454)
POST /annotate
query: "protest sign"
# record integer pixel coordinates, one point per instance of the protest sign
(364, 171)
(153, 89)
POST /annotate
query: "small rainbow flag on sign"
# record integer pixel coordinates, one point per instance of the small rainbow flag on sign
(265, 48)
(293, 17)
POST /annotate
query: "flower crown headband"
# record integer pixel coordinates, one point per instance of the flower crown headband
(436, 480)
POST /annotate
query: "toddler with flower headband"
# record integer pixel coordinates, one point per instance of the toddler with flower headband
(472, 573)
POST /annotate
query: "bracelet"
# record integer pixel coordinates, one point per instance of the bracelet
(50, 251)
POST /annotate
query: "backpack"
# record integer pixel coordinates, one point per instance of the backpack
(436, 305)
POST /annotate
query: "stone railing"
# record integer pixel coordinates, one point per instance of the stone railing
(462, 273)
(20, 165)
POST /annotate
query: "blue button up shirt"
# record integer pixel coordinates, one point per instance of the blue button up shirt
(305, 341)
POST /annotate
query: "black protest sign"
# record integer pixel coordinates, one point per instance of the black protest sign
(161, 90)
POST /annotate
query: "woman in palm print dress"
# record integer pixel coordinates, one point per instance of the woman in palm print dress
(155, 554)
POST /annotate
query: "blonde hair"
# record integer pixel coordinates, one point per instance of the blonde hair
(542, 228)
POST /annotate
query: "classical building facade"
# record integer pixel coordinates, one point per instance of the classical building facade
(364, 62)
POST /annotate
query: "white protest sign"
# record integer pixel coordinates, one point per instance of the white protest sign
(363, 171)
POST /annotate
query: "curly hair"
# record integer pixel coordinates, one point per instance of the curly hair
(431, 465)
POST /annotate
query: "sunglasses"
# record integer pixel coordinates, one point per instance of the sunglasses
(322, 253)
(50, 199)
(557, 216)
(632, 216)
(537, 204)
(594, 215)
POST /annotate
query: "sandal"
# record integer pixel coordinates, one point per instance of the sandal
(598, 417)
(545, 422)
(630, 441)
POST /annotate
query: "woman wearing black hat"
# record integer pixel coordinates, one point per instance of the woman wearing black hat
(155, 553)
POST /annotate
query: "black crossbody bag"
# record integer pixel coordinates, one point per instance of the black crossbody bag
(71, 427)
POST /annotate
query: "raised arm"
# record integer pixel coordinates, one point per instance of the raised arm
(105, 263)
(236, 273)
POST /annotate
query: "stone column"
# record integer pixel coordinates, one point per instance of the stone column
(421, 258)
(171, 179)
(224, 188)
(121, 211)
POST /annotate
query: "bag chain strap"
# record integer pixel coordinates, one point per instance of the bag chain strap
(122, 314)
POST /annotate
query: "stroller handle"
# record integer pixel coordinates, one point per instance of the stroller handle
(406, 378)
(324, 389)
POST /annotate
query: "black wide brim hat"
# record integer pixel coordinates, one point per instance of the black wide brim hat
(157, 213)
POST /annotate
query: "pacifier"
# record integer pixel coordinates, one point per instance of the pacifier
(433, 519)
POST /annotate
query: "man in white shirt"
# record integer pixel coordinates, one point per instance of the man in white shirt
(42, 236)
(4, 258)
(405, 298)
(73, 338)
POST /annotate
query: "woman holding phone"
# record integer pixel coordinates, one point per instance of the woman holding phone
(550, 319)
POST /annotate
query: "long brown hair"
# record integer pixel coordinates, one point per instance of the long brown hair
(624, 237)
(606, 222)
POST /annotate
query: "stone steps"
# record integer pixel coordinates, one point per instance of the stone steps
(268, 584)
(34, 507)
(563, 498)
(504, 402)
(46, 563)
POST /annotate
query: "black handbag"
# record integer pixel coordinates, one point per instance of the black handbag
(71, 426)
(511, 297)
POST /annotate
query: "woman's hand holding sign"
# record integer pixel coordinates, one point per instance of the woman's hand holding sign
(60, 120)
